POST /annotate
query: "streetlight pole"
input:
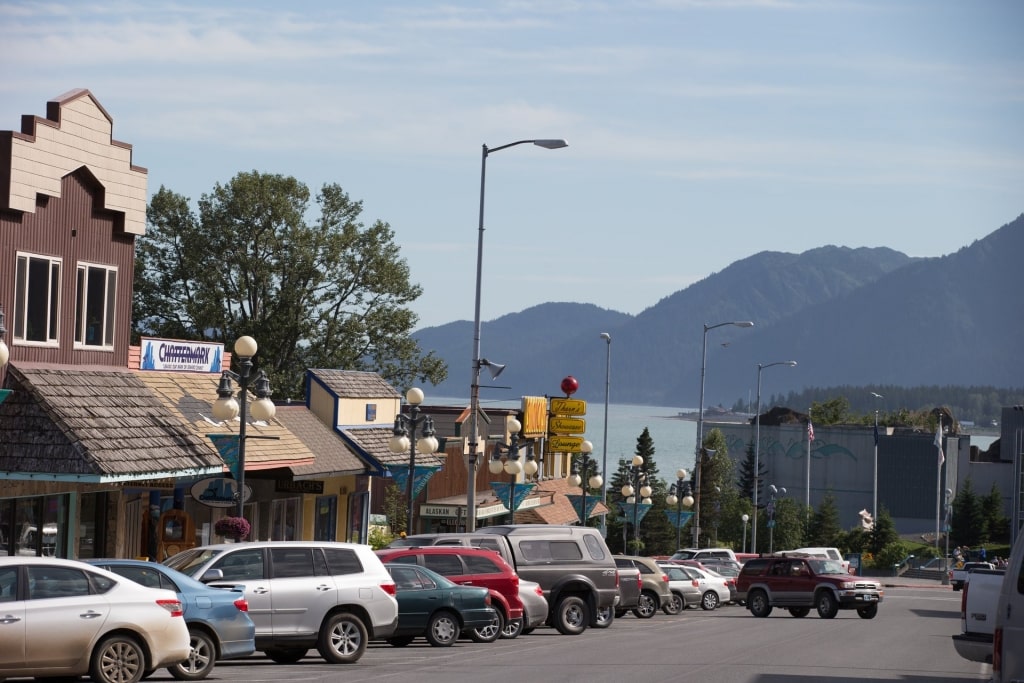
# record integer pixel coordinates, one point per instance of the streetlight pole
(227, 408)
(474, 387)
(949, 519)
(702, 453)
(700, 422)
(679, 495)
(604, 449)
(745, 518)
(581, 476)
(636, 491)
(757, 444)
(874, 505)
(771, 516)
(404, 441)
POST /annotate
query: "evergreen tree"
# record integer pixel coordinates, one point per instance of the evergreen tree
(997, 526)
(745, 482)
(716, 484)
(883, 533)
(968, 519)
(825, 530)
(618, 526)
(657, 535)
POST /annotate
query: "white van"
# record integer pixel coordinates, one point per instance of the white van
(1008, 647)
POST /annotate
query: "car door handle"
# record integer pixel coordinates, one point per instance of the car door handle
(260, 590)
(323, 588)
(9, 619)
(91, 614)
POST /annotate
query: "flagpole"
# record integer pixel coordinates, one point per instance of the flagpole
(807, 501)
(938, 478)
(874, 504)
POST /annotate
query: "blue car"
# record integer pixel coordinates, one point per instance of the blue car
(217, 618)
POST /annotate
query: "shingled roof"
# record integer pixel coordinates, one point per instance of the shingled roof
(334, 455)
(95, 425)
(355, 384)
(372, 445)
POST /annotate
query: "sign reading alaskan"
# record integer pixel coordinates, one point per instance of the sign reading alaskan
(565, 423)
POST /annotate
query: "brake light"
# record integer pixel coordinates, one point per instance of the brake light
(695, 583)
(664, 577)
(242, 604)
(388, 588)
(172, 606)
(538, 591)
(639, 582)
(963, 605)
(997, 651)
(487, 599)
(616, 578)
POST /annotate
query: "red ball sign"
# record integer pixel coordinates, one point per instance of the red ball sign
(570, 385)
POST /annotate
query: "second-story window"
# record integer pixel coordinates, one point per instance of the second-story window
(36, 298)
(94, 307)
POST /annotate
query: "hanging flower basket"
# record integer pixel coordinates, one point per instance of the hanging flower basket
(232, 527)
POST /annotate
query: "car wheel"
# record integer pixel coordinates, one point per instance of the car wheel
(799, 612)
(491, 632)
(604, 617)
(342, 638)
(868, 612)
(647, 607)
(674, 605)
(201, 657)
(118, 659)
(709, 601)
(757, 603)
(571, 616)
(400, 641)
(286, 655)
(443, 629)
(528, 630)
(826, 605)
(512, 629)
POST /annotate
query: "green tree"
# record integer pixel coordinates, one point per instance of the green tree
(324, 291)
(789, 529)
(831, 412)
(883, 533)
(997, 526)
(968, 520)
(716, 484)
(746, 479)
(825, 530)
(395, 509)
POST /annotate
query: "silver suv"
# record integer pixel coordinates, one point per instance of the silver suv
(303, 594)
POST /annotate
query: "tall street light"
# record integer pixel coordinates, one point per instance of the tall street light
(637, 491)
(513, 467)
(757, 444)
(702, 454)
(745, 518)
(226, 408)
(604, 449)
(474, 387)
(679, 495)
(405, 441)
(874, 505)
(700, 420)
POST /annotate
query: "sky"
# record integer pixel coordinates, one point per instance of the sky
(699, 132)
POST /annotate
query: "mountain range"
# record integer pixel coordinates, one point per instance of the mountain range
(864, 316)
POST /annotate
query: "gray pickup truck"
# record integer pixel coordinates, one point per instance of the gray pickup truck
(572, 564)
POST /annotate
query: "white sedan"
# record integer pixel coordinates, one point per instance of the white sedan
(714, 587)
(65, 618)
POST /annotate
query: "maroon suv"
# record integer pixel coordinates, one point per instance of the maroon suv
(470, 567)
(801, 583)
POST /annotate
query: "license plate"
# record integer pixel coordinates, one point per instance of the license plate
(869, 598)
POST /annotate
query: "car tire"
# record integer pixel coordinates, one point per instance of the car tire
(868, 612)
(603, 618)
(342, 638)
(513, 629)
(571, 616)
(527, 630)
(826, 605)
(491, 632)
(286, 655)
(709, 601)
(400, 641)
(799, 612)
(201, 658)
(443, 629)
(647, 607)
(758, 604)
(674, 605)
(118, 659)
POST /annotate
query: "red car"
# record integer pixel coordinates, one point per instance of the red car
(470, 567)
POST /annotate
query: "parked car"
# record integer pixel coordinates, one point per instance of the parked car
(535, 608)
(431, 606)
(685, 588)
(702, 554)
(800, 583)
(303, 594)
(470, 567)
(654, 589)
(67, 619)
(714, 588)
(827, 553)
(218, 619)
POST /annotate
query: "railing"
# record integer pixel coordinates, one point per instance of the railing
(901, 565)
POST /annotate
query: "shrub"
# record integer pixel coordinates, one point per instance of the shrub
(891, 554)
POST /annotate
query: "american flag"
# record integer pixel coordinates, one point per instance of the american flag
(938, 443)
(810, 431)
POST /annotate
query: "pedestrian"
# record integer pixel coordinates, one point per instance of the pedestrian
(983, 553)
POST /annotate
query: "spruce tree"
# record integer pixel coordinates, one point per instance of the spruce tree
(825, 530)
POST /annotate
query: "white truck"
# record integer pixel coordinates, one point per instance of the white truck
(978, 614)
(958, 574)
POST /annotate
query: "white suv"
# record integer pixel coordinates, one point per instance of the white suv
(702, 554)
(303, 594)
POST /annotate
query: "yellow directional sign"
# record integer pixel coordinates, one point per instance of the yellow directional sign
(566, 425)
(563, 444)
(568, 406)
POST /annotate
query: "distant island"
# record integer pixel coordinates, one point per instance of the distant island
(716, 415)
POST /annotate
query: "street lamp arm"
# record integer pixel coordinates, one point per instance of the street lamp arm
(545, 143)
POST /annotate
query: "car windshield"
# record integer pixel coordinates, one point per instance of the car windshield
(826, 566)
(683, 555)
(188, 561)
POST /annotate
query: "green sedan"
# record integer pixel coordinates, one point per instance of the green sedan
(431, 606)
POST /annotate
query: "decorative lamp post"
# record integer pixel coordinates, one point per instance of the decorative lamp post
(405, 441)
(770, 509)
(700, 420)
(679, 496)
(474, 387)
(512, 466)
(637, 483)
(604, 449)
(227, 408)
(701, 455)
(5, 353)
(745, 518)
(757, 444)
(581, 470)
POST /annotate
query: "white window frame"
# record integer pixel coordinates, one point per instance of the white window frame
(22, 299)
(109, 295)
